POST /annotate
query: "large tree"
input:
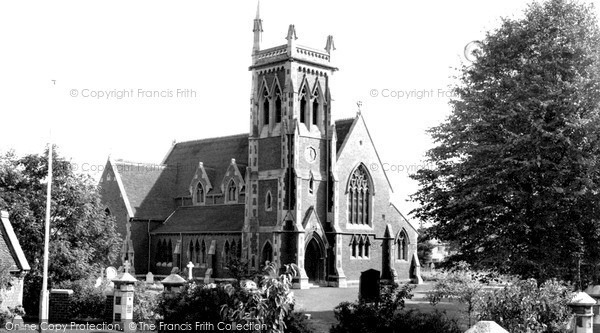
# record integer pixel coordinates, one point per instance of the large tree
(516, 181)
(83, 237)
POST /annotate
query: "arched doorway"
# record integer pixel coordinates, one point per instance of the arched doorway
(313, 261)
(267, 253)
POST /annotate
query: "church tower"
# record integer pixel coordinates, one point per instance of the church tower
(288, 181)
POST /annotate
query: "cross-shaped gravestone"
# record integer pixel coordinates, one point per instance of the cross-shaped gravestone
(127, 266)
(190, 267)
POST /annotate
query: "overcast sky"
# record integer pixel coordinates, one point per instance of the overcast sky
(50, 51)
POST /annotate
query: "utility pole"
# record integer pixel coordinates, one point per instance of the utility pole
(44, 296)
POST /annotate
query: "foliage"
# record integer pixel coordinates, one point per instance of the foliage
(145, 304)
(83, 238)
(424, 246)
(5, 316)
(464, 286)
(525, 307)
(414, 321)
(296, 322)
(362, 317)
(86, 302)
(270, 303)
(238, 268)
(516, 164)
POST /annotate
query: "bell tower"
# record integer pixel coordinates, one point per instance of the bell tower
(290, 155)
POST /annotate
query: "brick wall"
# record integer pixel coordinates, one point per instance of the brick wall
(59, 305)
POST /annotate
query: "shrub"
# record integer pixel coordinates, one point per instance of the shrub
(414, 321)
(525, 307)
(268, 302)
(296, 322)
(362, 317)
(145, 304)
(87, 301)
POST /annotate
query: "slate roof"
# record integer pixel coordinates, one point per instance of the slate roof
(152, 188)
(148, 187)
(214, 153)
(204, 219)
(342, 128)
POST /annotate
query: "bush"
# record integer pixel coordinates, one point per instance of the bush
(267, 301)
(414, 321)
(525, 307)
(297, 322)
(87, 302)
(145, 304)
(362, 317)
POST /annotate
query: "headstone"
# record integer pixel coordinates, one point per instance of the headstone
(111, 273)
(149, 277)
(190, 267)
(368, 289)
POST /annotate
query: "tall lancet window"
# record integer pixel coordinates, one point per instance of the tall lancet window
(402, 245)
(199, 193)
(266, 113)
(303, 107)
(359, 196)
(315, 110)
(231, 192)
(278, 107)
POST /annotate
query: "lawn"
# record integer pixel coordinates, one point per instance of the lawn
(319, 303)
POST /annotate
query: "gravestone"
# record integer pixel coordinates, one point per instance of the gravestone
(149, 277)
(190, 267)
(111, 273)
(368, 289)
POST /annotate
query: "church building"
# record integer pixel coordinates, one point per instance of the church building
(299, 188)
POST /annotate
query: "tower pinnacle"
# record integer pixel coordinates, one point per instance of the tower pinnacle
(257, 30)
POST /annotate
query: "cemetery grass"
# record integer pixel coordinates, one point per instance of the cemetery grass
(320, 302)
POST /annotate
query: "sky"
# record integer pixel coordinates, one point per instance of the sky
(64, 65)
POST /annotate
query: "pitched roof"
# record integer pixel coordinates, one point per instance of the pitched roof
(215, 153)
(204, 219)
(10, 249)
(148, 188)
(342, 128)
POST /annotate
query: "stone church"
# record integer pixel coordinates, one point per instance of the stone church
(298, 188)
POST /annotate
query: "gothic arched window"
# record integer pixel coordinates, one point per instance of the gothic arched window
(277, 106)
(231, 191)
(359, 196)
(315, 110)
(169, 252)
(266, 111)
(311, 185)
(198, 257)
(226, 253)
(303, 109)
(203, 258)
(402, 245)
(268, 201)
(199, 193)
(190, 253)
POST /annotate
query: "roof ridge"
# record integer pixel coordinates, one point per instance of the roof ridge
(344, 119)
(139, 163)
(215, 138)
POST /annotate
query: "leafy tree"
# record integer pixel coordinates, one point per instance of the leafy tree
(516, 181)
(82, 236)
(424, 246)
